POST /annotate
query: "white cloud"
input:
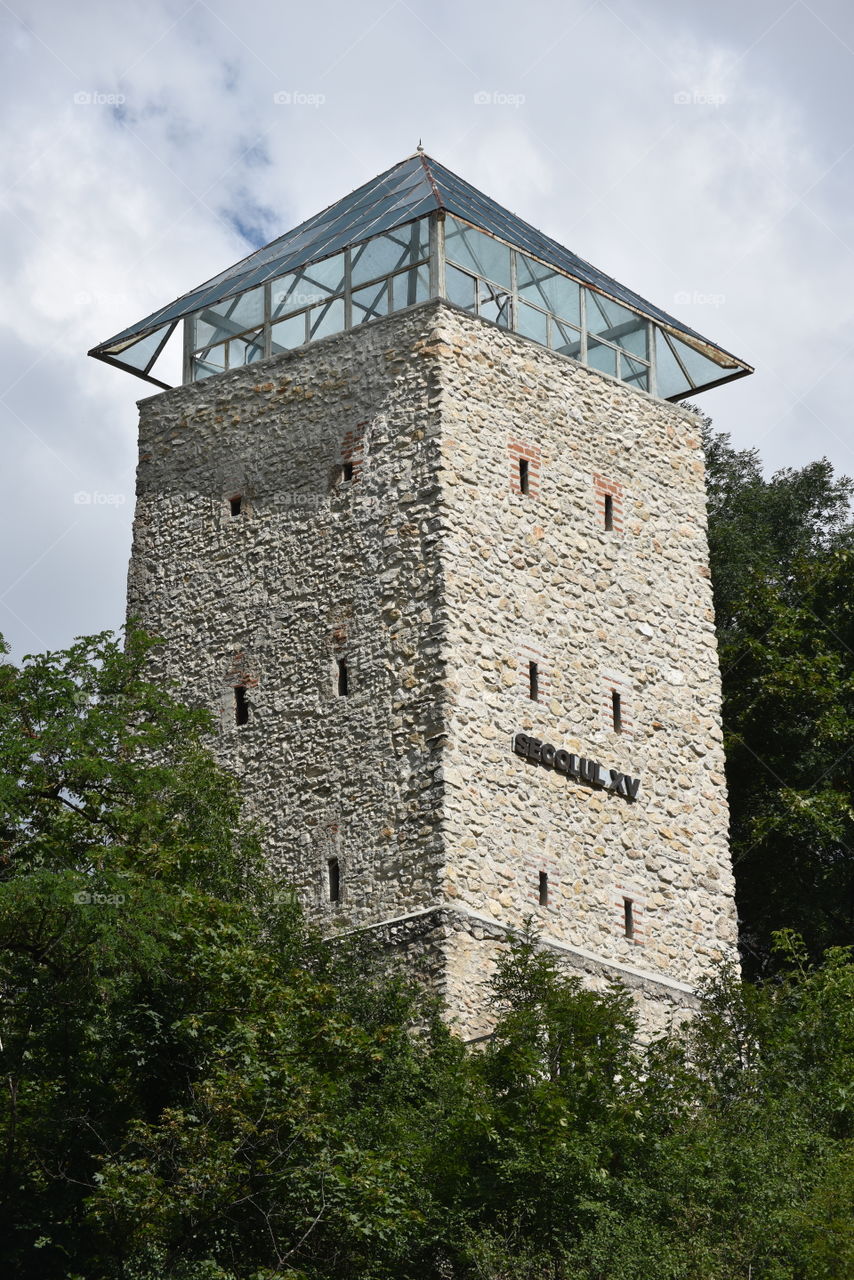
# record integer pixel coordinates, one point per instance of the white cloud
(110, 209)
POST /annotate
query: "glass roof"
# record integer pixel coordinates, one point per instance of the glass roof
(416, 186)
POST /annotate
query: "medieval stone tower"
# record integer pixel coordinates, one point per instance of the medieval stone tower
(425, 525)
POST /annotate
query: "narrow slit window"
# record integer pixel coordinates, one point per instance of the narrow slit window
(236, 504)
(609, 511)
(333, 870)
(241, 705)
(523, 475)
(628, 917)
(534, 681)
(617, 711)
(343, 678)
(347, 471)
(544, 888)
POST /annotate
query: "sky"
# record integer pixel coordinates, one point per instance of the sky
(701, 154)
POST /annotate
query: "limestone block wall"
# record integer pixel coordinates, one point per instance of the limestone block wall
(537, 576)
(286, 524)
(366, 550)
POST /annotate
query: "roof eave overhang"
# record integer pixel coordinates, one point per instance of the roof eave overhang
(97, 354)
(707, 386)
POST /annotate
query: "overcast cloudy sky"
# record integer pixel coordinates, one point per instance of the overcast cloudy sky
(691, 150)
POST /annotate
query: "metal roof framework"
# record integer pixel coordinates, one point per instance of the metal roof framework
(415, 187)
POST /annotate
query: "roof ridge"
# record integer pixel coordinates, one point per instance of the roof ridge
(426, 162)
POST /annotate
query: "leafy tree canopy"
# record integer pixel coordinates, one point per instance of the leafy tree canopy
(196, 1087)
(782, 561)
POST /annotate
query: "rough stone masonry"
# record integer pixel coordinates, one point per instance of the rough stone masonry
(393, 558)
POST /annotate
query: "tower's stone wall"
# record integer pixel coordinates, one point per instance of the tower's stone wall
(382, 525)
(316, 569)
(536, 576)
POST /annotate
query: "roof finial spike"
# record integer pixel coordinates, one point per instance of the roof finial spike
(420, 148)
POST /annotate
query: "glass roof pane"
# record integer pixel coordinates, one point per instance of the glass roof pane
(460, 288)
(370, 303)
(669, 378)
(532, 323)
(700, 370)
(607, 319)
(139, 353)
(410, 287)
(477, 252)
(301, 288)
(233, 316)
(564, 339)
(632, 337)
(604, 314)
(326, 276)
(209, 363)
(385, 254)
(289, 333)
(325, 319)
(634, 372)
(548, 289)
(601, 357)
(494, 304)
(245, 350)
(282, 290)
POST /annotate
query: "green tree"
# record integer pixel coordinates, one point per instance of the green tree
(197, 1087)
(722, 1150)
(194, 1084)
(782, 560)
(551, 1119)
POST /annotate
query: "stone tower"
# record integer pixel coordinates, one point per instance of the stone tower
(425, 525)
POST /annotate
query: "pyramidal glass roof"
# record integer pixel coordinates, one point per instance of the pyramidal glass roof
(414, 188)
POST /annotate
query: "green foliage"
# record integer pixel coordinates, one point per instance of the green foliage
(196, 1087)
(782, 558)
(723, 1150)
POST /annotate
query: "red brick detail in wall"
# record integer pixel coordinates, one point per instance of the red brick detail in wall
(610, 686)
(526, 655)
(519, 451)
(621, 896)
(603, 488)
(353, 449)
(240, 672)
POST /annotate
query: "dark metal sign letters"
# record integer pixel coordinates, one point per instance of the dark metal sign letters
(578, 767)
